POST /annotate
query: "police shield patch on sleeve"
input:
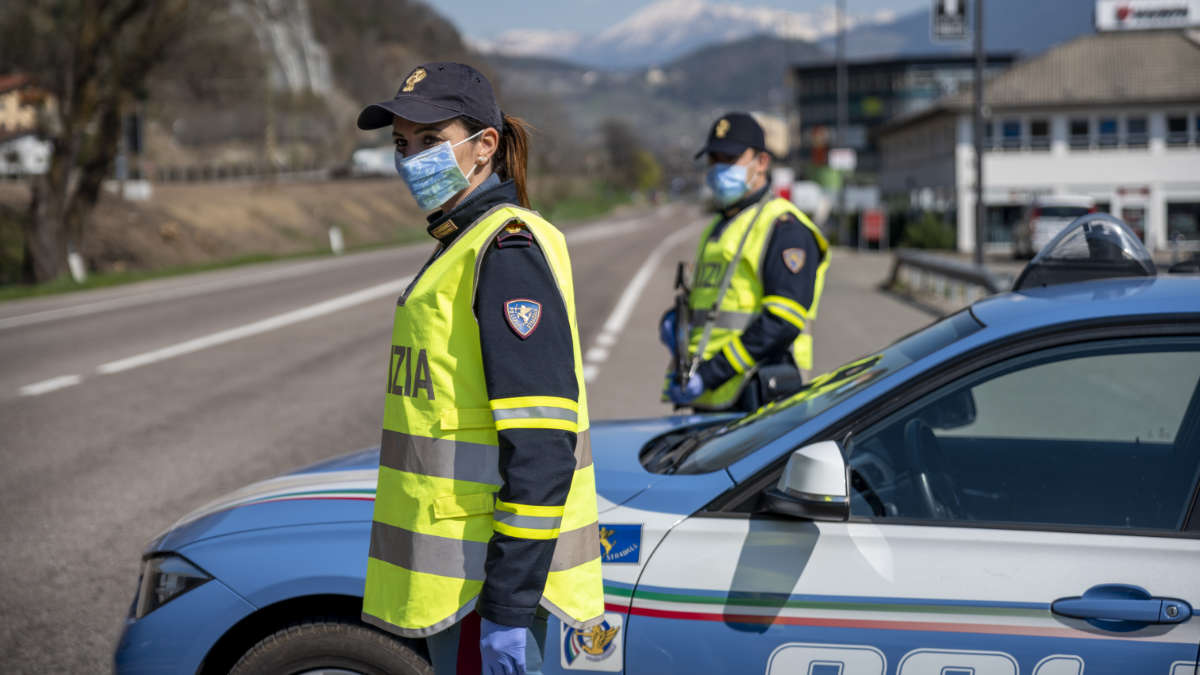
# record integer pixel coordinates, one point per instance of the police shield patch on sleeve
(523, 316)
(794, 259)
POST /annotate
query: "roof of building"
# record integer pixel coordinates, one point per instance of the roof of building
(1099, 69)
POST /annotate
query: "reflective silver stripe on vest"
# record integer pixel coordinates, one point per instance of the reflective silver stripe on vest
(536, 412)
(428, 553)
(780, 307)
(530, 522)
(440, 457)
(724, 319)
(575, 547)
(583, 449)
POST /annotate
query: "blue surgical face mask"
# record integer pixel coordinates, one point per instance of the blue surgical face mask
(728, 183)
(433, 175)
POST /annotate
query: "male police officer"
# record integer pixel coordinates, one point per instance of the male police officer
(759, 272)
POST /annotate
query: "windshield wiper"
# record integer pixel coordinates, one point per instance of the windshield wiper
(665, 454)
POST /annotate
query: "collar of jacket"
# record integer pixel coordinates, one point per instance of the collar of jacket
(445, 226)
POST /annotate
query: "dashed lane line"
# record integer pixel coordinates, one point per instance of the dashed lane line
(616, 321)
(197, 287)
(258, 327)
(391, 288)
(582, 235)
(52, 384)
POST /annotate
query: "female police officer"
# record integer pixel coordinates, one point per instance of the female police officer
(486, 497)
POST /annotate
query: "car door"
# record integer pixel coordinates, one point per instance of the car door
(1034, 514)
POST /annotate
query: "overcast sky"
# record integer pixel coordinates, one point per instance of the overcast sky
(486, 18)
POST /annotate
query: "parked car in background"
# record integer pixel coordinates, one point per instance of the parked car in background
(1046, 217)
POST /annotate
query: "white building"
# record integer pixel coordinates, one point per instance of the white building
(1115, 116)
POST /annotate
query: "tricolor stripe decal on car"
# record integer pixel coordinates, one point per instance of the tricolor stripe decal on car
(977, 617)
(356, 484)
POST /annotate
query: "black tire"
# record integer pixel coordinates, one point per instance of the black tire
(334, 644)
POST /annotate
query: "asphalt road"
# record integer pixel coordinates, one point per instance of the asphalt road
(121, 409)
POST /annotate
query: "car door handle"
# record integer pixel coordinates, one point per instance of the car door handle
(1122, 603)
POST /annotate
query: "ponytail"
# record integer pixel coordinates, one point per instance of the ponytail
(514, 155)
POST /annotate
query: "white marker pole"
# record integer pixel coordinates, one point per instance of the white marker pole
(337, 243)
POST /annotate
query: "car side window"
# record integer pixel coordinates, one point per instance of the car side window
(1100, 434)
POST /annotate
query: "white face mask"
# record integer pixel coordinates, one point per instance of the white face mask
(433, 175)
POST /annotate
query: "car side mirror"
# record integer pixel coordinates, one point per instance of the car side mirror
(813, 485)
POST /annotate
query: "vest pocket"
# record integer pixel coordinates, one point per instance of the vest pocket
(461, 506)
(466, 418)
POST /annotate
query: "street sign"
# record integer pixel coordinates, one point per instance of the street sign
(1146, 14)
(843, 159)
(872, 225)
(949, 20)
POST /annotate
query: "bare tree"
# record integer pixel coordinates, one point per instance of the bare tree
(94, 57)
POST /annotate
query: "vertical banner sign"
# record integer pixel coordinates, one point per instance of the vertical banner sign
(949, 20)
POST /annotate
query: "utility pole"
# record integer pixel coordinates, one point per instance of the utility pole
(979, 134)
(842, 115)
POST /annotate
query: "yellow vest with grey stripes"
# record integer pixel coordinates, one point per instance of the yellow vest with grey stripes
(435, 508)
(745, 299)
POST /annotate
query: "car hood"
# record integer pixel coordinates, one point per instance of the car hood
(342, 489)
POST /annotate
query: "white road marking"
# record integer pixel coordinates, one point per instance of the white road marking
(577, 236)
(258, 327)
(192, 286)
(45, 386)
(624, 309)
(198, 286)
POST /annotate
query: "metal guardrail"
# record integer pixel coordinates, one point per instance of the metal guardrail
(946, 268)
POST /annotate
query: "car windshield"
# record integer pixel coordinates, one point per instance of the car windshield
(717, 447)
(1061, 211)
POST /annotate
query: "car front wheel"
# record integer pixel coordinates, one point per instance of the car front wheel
(329, 646)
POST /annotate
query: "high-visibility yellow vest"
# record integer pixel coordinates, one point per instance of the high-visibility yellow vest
(745, 299)
(435, 508)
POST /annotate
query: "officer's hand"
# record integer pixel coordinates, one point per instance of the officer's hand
(688, 392)
(502, 648)
(666, 330)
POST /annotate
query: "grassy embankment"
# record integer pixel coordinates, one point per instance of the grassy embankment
(191, 228)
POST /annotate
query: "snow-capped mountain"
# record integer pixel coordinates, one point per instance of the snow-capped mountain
(667, 29)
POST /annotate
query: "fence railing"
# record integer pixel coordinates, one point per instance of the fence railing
(929, 272)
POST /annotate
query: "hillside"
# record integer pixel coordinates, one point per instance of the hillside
(669, 107)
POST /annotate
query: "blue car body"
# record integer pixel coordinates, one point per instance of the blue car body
(284, 547)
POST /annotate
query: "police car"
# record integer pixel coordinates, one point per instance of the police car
(1012, 489)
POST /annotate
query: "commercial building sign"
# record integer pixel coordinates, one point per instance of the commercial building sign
(1146, 14)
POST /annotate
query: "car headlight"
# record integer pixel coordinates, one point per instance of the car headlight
(164, 578)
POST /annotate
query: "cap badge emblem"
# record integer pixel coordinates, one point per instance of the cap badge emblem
(417, 76)
(722, 128)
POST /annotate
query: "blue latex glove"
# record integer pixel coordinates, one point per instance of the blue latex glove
(686, 393)
(666, 330)
(502, 648)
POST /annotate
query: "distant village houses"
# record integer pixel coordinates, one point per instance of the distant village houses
(22, 151)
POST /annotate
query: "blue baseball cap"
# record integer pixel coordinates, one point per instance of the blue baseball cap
(434, 92)
(732, 134)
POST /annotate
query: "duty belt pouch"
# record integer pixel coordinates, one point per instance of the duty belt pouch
(779, 381)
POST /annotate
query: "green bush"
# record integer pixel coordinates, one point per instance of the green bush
(929, 232)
